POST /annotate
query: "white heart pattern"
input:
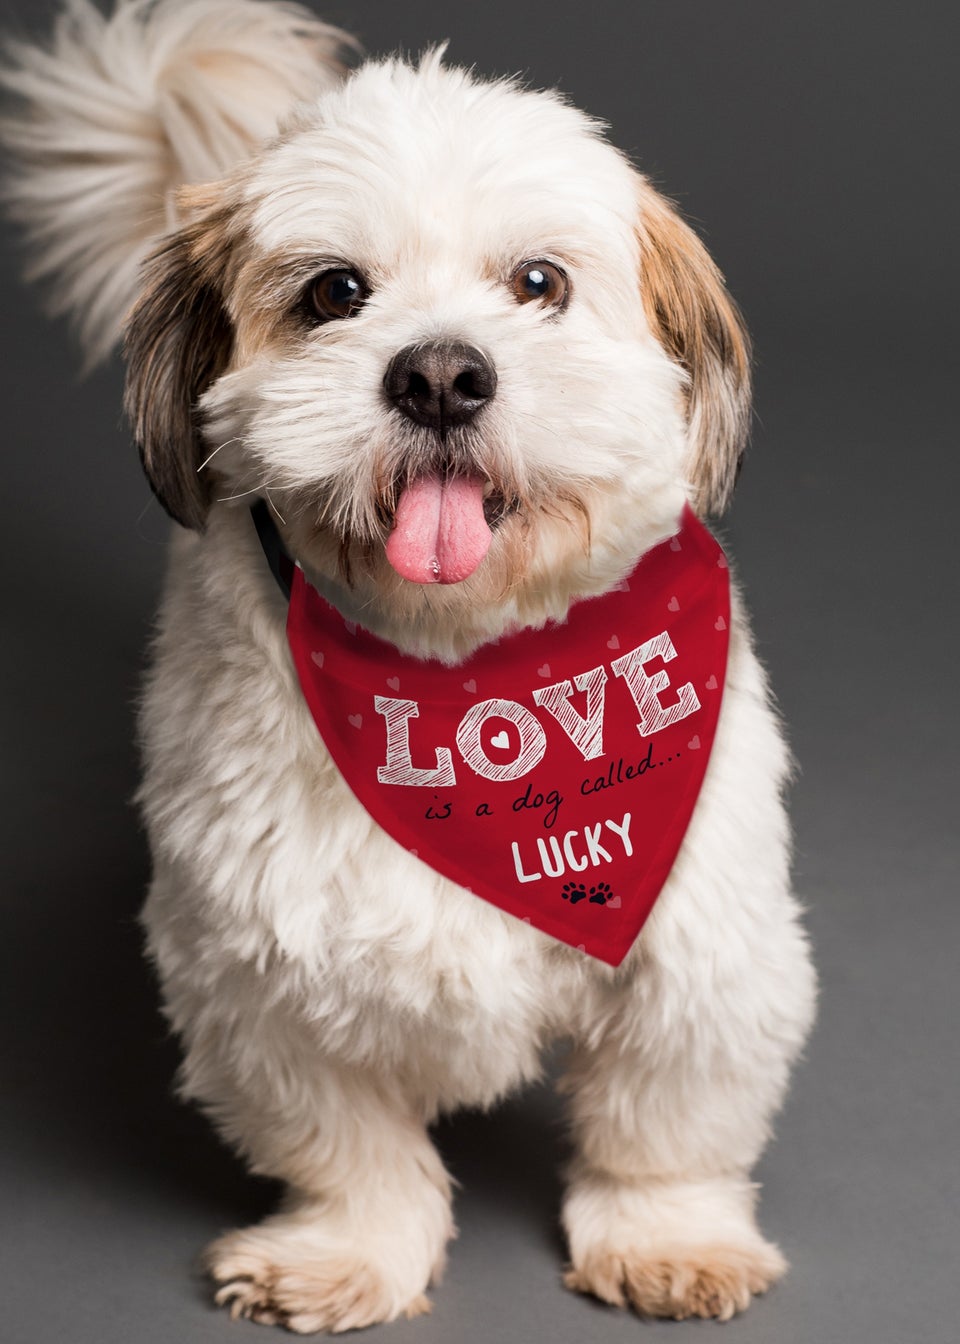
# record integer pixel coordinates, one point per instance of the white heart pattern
(502, 740)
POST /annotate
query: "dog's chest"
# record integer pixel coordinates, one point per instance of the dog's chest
(282, 865)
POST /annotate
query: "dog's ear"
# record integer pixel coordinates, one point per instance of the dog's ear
(699, 325)
(178, 340)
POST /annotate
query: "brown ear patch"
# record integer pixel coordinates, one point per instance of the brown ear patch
(179, 339)
(699, 325)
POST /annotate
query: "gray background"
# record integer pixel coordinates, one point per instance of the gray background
(815, 148)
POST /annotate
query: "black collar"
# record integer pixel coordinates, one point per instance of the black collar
(273, 548)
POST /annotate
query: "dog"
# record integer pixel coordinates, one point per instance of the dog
(472, 369)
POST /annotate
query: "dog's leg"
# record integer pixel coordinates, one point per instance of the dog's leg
(362, 1231)
(671, 1098)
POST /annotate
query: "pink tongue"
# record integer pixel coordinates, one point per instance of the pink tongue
(439, 533)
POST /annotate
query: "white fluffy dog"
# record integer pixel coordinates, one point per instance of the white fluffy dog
(333, 994)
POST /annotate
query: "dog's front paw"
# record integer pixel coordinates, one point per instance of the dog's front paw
(668, 1248)
(278, 1274)
(708, 1281)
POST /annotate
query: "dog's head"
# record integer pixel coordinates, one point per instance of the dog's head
(453, 338)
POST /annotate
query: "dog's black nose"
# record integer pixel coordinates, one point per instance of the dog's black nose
(441, 383)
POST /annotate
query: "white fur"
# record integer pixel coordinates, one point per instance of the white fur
(332, 994)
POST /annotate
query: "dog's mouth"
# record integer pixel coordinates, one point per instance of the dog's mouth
(440, 532)
(443, 526)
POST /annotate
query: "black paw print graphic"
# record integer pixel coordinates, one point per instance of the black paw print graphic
(601, 893)
(574, 891)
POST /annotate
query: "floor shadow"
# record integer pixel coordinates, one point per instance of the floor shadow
(508, 1160)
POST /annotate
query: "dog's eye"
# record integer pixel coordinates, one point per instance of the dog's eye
(540, 282)
(338, 293)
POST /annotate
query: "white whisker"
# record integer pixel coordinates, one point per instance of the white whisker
(225, 499)
(274, 507)
(214, 453)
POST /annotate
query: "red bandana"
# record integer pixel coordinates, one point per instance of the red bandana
(553, 773)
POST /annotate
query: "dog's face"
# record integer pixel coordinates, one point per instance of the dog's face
(453, 338)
